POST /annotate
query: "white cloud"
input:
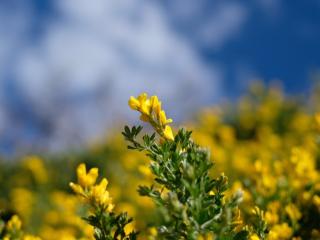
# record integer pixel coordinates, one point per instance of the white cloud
(81, 71)
(92, 55)
(210, 24)
(222, 24)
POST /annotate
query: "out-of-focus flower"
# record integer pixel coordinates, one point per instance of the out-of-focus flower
(280, 232)
(14, 223)
(293, 212)
(36, 166)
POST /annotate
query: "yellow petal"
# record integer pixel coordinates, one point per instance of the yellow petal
(162, 118)
(81, 173)
(254, 237)
(84, 179)
(14, 223)
(134, 103)
(110, 207)
(154, 103)
(92, 176)
(157, 109)
(98, 190)
(142, 97)
(168, 133)
(76, 188)
(145, 107)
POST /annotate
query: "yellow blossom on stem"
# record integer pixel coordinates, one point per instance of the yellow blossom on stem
(254, 237)
(280, 231)
(95, 194)
(168, 133)
(76, 188)
(293, 212)
(14, 223)
(151, 112)
(86, 179)
(101, 195)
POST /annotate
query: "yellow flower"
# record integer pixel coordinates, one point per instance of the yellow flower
(96, 195)
(280, 231)
(141, 103)
(254, 237)
(153, 231)
(208, 236)
(99, 189)
(271, 217)
(146, 107)
(163, 118)
(168, 133)
(76, 188)
(146, 171)
(156, 105)
(293, 212)
(101, 195)
(14, 223)
(134, 103)
(30, 237)
(86, 179)
(151, 112)
(316, 200)
(37, 167)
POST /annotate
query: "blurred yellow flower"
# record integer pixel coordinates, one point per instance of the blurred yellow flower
(14, 223)
(254, 237)
(280, 232)
(293, 212)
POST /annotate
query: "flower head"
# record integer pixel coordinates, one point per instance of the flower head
(86, 179)
(95, 194)
(14, 223)
(151, 111)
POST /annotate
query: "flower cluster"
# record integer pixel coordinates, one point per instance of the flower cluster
(107, 225)
(12, 230)
(150, 109)
(95, 194)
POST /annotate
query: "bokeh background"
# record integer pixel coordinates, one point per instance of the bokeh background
(67, 67)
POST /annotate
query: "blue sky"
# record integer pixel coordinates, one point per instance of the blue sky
(67, 68)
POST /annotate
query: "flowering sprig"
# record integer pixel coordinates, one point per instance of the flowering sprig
(259, 229)
(107, 225)
(191, 203)
(95, 194)
(151, 111)
(12, 230)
